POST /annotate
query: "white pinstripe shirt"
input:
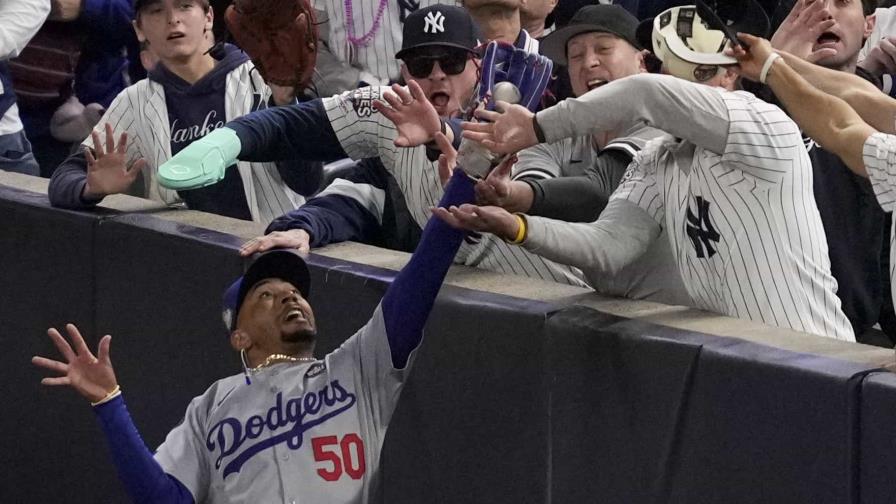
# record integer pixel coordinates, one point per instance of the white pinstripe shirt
(365, 133)
(879, 154)
(735, 197)
(141, 111)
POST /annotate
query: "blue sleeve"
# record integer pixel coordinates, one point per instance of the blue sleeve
(411, 296)
(334, 218)
(142, 476)
(68, 181)
(330, 219)
(300, 131)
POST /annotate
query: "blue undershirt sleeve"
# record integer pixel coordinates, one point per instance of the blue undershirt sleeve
(143, 477)
(411, 296)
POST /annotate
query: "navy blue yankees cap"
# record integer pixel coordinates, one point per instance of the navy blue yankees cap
(283, 264)
(439, 25)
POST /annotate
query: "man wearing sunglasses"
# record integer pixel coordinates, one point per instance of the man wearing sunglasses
(441, 40)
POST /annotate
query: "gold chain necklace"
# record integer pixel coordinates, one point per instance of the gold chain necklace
(277, 358)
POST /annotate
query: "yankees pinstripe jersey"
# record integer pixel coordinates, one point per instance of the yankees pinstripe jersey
(879, 155)
(381, 22)
(364, 133)
(735, 197)
(141, 111)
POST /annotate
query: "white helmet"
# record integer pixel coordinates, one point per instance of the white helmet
(690, 40)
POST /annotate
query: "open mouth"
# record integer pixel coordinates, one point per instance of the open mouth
(294, 315)
(595, 83)
(439, 99)
(175, 35)
(827, 38)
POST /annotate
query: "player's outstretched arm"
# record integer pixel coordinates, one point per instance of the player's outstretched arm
(602, 248)
(872, 105)
(827, 119)
(94, 378)
(410, 298)
(691, 111)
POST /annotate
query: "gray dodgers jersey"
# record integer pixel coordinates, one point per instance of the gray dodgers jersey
(300, 433)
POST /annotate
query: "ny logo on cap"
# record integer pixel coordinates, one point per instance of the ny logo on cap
(435, 22)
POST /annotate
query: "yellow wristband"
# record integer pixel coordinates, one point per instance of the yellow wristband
(522, 231)
(111, 395)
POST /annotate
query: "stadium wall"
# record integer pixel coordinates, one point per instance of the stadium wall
(523, 391)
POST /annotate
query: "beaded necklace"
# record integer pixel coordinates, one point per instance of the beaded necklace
(365, 39)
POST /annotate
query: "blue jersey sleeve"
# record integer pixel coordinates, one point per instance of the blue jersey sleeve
(143, 477)
(411, 296)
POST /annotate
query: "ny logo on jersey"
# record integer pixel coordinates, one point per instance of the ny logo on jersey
(435, 22)
(406, 7)
(700, 229)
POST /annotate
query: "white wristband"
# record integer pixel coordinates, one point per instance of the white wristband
(768, 66)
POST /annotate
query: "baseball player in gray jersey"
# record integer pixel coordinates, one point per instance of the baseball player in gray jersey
(731, 184)
(290, 428)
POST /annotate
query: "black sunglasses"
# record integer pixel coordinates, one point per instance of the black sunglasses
(452, 63)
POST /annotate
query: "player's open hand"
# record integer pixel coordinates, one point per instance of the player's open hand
(881, 58)
(507, 131)
(487, 219)
(415, 119)
(799, 33)
(92, 376)
(750, 61)
(107, 170)
(298, 239)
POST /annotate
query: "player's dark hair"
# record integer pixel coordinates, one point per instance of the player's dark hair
(140, 5)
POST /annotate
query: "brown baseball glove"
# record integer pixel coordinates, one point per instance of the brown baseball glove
(279, 35)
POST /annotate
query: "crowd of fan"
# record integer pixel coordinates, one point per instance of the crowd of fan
(97, 94)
